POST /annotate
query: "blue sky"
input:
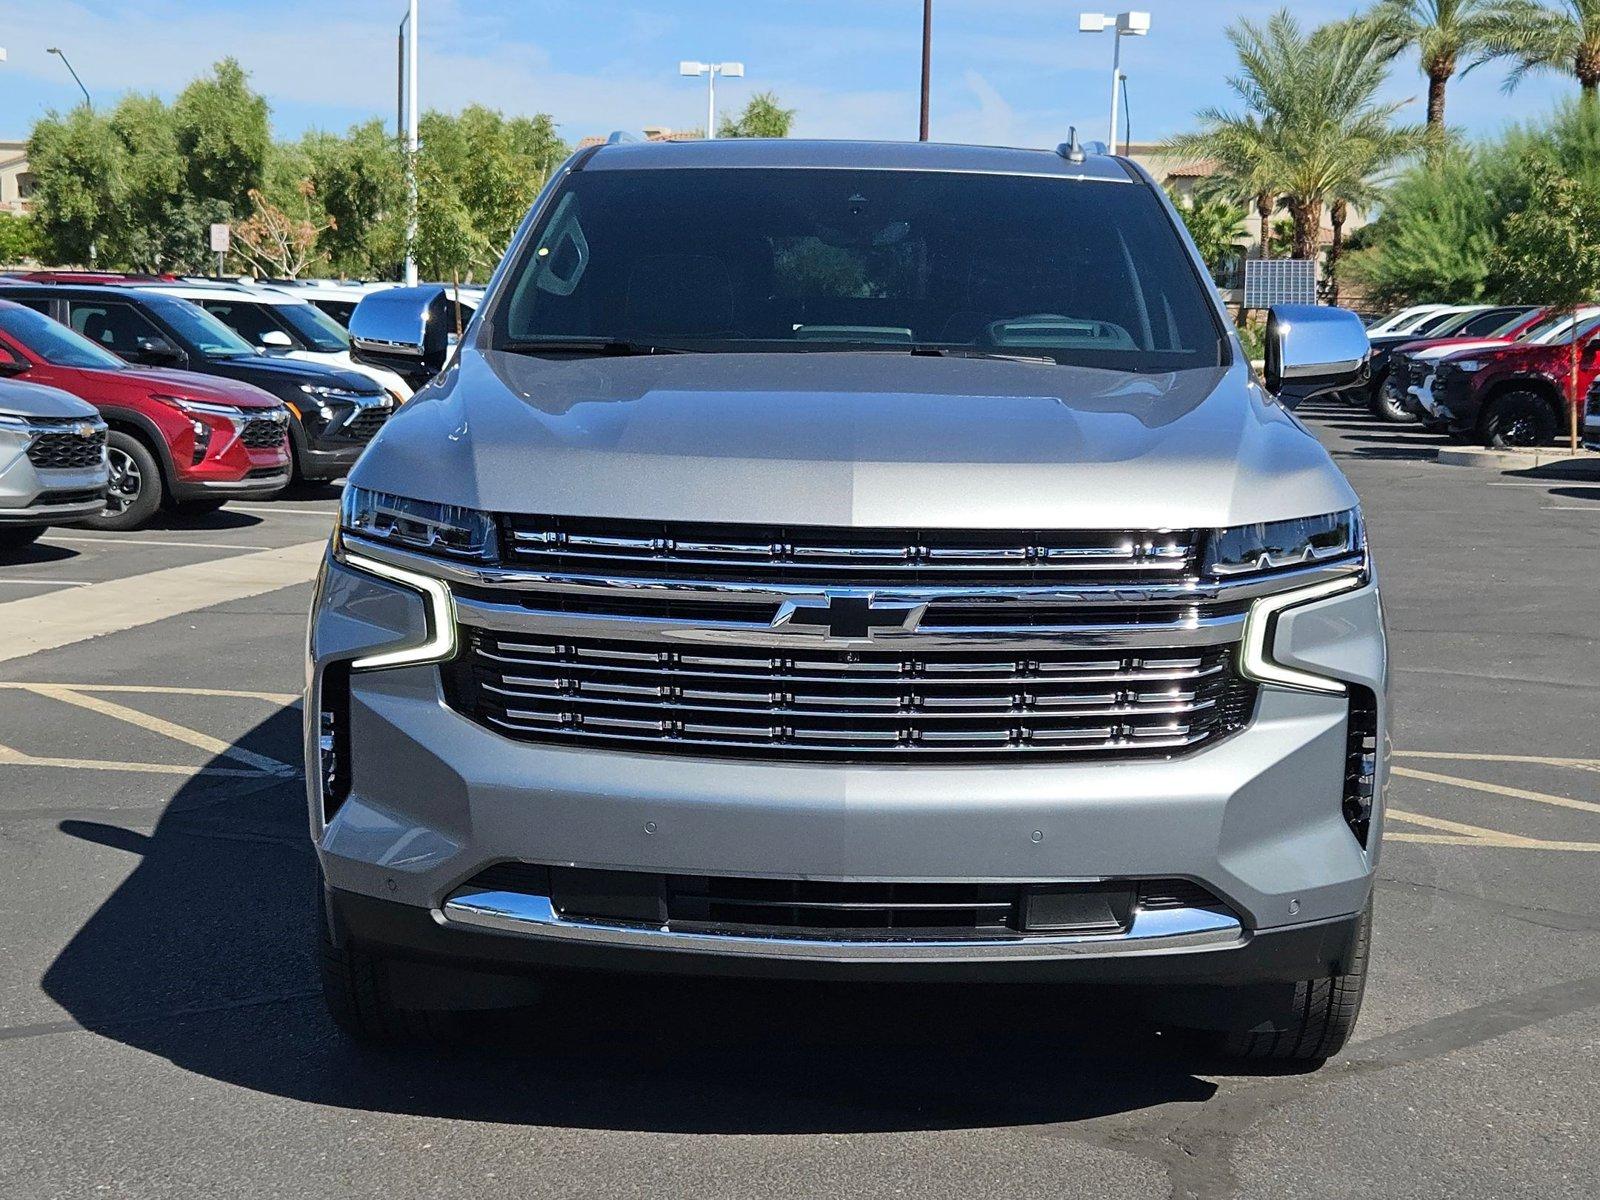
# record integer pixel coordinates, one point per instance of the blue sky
(1005, 71)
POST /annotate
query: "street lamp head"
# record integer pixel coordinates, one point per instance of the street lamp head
(1094, 22)
(1133, 24)
(733, 70)
(52, 50)
(693, 68)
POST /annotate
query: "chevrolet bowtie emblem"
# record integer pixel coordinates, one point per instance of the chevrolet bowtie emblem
(849, 615)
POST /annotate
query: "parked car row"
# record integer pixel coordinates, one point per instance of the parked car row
(200, 393)
(1496, 374)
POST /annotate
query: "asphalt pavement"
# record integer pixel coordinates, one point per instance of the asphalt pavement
(161, 1036)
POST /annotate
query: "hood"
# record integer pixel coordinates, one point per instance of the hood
(290, 371)
(1435, 350)
(214, 389)
(862, 439)
(39, 400)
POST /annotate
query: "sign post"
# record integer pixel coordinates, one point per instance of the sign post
(220, 241)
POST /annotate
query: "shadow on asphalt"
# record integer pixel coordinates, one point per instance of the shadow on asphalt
(204, 956)
(33, 554)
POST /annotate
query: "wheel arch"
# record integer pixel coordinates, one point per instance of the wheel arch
(136, 424)
(1539, 385)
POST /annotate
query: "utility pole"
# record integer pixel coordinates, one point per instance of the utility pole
(927, 64)
(408, 35)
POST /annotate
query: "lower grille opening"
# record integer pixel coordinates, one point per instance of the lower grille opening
(1361, 762)
(62, 496)
(821, 909)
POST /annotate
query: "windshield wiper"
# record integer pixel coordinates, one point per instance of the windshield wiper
(610, 347)
(974, 352)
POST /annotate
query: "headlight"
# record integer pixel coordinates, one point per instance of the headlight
(16, 428)
(13, 421)
(1282, 545)
(323, 392)
(184, 404)
(1469, 365)
(433, 528)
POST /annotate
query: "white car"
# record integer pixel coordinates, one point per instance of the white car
(1406, 319)
(337, 300)
(282, 324)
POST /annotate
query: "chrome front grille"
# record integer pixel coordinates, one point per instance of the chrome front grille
(834, 703)
(821, 556)
(67, 450)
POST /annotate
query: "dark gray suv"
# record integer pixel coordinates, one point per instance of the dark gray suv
(850, 561)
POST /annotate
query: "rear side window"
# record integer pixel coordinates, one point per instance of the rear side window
(249, 321)
(111, 325)
(767, 259)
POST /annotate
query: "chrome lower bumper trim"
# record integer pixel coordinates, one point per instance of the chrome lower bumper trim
(1152, 930)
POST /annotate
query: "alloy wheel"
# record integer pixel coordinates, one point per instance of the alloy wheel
(126, 481)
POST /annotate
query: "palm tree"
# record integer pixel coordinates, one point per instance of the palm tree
(1445, 32)
(1216, 225)
(1312, 128)
(1561, 36)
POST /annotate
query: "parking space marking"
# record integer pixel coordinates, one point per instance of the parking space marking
(47, 582)
(13, 757)
(1496, 789)
(50, 621)
(125, 543)
(1577, 764)
(153, 690)
(1457, 833)
(165, 728)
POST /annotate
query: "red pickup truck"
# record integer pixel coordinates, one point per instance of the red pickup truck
(1515, 395)
(177, 439)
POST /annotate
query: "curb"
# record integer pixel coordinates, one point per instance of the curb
(1552, 461)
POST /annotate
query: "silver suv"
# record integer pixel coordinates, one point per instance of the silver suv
(850, 561)
(52, 460)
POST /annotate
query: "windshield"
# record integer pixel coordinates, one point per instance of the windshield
(792, 259)
(315, 327)
(199, 328)
(1438, 323)
(55, 343)
(1555, 327)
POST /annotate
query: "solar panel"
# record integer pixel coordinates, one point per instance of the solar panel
(1269, 281)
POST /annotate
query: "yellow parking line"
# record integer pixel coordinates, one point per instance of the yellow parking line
(139, 688)
(13, 757)
(1496, 789)
(1456, 833)
(1582, 764)
(169, 729)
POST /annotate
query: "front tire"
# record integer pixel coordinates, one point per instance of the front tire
(1390, 403)
(1519, 419)
(136, 489)
(1323, 1014)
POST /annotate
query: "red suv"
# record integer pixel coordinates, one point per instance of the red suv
(1515, 395)
(188, 441)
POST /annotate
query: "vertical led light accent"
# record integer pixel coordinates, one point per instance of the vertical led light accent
(1256, 661)
(440, 643)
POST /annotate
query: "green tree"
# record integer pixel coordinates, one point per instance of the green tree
(224, 136)
(360, 179)
(763, 117)
(1216, 223)
(1435, 236)
(1549, 250)
(19, 239)
(77, 163)
(1450, 37)
(1312, 127)
(1561, 37)
(158, 225)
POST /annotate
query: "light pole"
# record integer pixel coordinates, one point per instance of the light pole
(733, 70)
(927, 65)
(57, 51)
(1128, 24)
(408, 85)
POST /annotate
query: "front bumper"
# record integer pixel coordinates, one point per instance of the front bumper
(434, 797)
(32, 495)
(327, 448)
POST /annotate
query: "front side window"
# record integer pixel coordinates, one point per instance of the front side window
(54, 342)
(309, 324)
(200, 329)
(249, 321)
(1088, 272)
(113, 325)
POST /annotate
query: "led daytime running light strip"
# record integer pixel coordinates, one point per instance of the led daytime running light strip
(1257, 662)
(441, 641)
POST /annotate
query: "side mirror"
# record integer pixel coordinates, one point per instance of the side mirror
(10, 365)
(276, 339)
(158, 352)
(404, 329)
(1312, 349)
